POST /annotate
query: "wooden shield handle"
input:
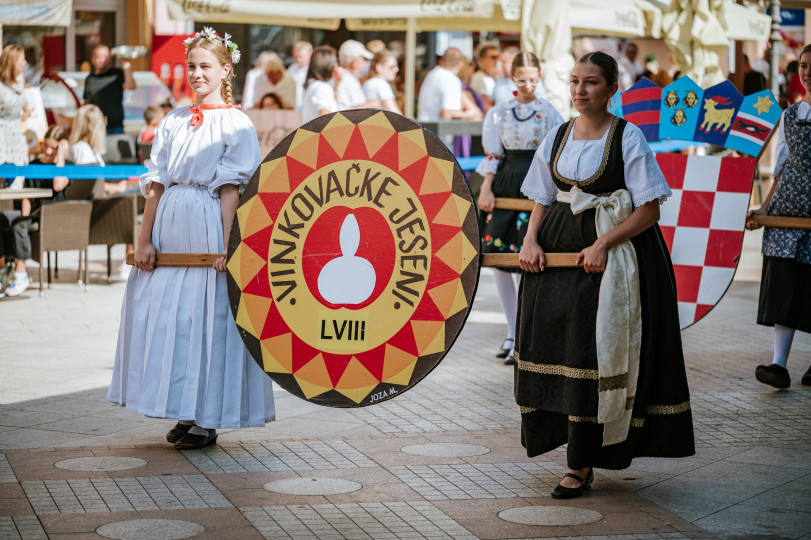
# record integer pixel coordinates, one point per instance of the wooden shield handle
(181, 259)
(502, 260)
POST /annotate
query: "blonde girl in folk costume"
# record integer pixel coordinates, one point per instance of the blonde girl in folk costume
(179, 353)
(511, 133)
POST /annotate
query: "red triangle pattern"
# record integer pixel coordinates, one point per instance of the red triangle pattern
(273, 203)
(373, 359)
(326, 154)
(388, 154)
(440, 273)
(336, 365)
(433, 203)
(260, 242)
(274, 324)
(297, 172)
(404, 340)
(356, 148)
(303, 353)
(427, 310)
(414, 173)
(259, 285)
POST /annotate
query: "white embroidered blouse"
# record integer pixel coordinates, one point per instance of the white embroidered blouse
(515, 126)
(580, 159)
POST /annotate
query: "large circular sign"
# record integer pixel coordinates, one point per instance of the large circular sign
(353, 258)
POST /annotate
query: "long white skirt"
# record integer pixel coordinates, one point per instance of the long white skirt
(179, 353)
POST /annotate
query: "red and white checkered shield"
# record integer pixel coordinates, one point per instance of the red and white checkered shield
(703, 224)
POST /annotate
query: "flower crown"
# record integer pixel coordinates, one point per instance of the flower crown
(211, 35)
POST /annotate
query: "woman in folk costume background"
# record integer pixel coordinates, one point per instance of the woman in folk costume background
(785, 285)
(599, 362)
(511, 133)
(179, 353)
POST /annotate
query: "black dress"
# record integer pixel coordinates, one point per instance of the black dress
(556, 376)
(785, 284)
(503, 230)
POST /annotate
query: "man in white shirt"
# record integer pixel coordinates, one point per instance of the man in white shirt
(629, 68)
(484, 80)
(275, 80)
(352, 57)
(441, 92)
(302, 51)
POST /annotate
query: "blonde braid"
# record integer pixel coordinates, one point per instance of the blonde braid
(227, 94)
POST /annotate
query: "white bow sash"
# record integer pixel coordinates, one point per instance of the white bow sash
(619, 314)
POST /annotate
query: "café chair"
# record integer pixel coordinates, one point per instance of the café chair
(63, 226)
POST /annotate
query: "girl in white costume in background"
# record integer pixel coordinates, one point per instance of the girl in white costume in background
(179, 353)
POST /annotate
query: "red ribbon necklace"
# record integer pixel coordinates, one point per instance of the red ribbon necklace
(197, 112)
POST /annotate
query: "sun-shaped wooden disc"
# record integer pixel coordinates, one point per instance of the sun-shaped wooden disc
(353, 258)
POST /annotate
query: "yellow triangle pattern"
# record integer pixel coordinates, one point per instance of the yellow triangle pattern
(449, 297)
(356, 382)
(338, 132)
(257, 308)
(304, 148)
(438, 177)
(278, 351)
(314, 377)
(376, 131)
(243, 318)
(397, 365)
(429, 336)
(410, 148)
(270, 363)
(234, 265)
(253, 217)
(273, 176)
(457, 253)
(448, 214)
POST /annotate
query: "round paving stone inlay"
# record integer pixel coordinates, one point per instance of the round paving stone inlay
(100, 463)
(445, 450)
(551, 516)
(154, 529)
(312, 486)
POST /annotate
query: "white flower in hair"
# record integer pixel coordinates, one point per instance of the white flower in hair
(211, 35)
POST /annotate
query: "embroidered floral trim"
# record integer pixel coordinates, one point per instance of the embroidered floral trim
(211, 35)
(616, 382)
(603, 163)
(526, 410)
(552, 369)
(538, 197)
(669, 409)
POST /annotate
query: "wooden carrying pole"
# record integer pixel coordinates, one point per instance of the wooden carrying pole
(499, 260)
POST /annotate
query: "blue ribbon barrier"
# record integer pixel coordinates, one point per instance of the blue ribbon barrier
(74, 172)
(469, 163)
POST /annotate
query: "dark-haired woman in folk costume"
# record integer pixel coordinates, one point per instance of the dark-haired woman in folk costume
(599, 356)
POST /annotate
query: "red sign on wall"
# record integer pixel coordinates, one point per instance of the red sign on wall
(169, 64)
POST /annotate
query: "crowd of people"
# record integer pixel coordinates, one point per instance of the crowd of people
(597, 351)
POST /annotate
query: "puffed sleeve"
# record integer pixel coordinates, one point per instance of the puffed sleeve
(643, 176)
(241, 156)
(159, 157)
(782, 149)
(491, 142)
(538, 184)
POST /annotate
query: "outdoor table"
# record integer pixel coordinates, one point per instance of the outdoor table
(25, 193)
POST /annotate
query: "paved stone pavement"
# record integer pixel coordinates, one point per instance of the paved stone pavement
(443, 460)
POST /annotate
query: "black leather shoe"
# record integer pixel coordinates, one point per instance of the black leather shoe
(562, 492)
(773, 375)
(506, 348)
(177, 432)
(806, 380)
(190, 441)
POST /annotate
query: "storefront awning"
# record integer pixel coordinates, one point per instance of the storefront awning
(36, 12)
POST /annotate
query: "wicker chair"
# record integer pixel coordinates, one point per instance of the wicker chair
(63, 226)
(113, 222)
